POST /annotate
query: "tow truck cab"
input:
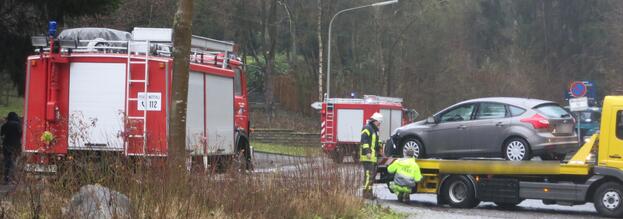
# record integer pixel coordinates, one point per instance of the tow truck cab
(593, 174)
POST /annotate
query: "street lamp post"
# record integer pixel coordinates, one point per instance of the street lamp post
(329, 43)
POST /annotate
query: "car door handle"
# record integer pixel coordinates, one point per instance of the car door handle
(461, 127)
(499, 124)
(615, 156)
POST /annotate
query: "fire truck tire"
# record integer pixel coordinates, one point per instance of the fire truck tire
(412, 143)
(244, 157)
(608, 199)
(458, 192)
(337, 155)
(355, 154)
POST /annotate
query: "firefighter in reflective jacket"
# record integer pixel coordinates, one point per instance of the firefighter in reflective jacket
(370, 147)
(406, 175)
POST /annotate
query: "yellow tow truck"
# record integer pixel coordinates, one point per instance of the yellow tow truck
(593, 174)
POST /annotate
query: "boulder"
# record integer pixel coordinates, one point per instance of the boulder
(96, 201)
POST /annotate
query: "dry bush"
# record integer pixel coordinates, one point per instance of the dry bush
(313, 188)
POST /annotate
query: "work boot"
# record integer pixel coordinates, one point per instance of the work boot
(405, 198)
(368, 195)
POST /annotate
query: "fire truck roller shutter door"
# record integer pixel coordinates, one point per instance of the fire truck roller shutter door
(96, 100)
(349, 123)
(385, 125)
(220, 114)
(396, 120)
(195, 114)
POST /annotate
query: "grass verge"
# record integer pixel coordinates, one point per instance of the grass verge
(286, 150)
(377, 211)
(313, 189)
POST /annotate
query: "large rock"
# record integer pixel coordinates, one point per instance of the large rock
(96, 201)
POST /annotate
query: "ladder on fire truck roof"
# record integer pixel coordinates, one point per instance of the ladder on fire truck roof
(141, 44)
(133, 47)
(367, 99)
(329, 123)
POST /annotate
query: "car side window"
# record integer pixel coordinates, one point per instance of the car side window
(619, 124)
(491, 111)
(460, 113)
(516, 111)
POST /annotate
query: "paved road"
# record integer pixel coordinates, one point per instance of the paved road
(425, 205)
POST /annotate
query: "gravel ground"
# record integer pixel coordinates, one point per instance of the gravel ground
(425, 206)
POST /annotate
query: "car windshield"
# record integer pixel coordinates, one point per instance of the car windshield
(590, 116)
(460, 113)
(552, 111)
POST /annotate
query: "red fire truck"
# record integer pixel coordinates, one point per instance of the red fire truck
(104, 90)
(343, 119)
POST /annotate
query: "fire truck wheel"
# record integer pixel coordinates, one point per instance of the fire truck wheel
(413, 144)
(337, 155)
(355, 154)
(244, 157)
(608, 199)
(458, 192)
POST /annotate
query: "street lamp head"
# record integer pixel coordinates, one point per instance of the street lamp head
(385, 3)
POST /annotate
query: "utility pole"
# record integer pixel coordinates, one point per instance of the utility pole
(320, 51)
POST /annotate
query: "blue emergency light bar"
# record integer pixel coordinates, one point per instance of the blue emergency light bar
(52, 28)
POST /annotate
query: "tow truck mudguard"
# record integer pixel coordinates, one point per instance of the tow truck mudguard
(608, 171)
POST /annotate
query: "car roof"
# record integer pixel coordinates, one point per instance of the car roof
(517, 101)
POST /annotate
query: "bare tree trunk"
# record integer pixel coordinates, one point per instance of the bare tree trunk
(270, 40)
(292, 53)
(182, 32)
(320, 51)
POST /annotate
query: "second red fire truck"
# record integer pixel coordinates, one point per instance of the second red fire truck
(343, 119)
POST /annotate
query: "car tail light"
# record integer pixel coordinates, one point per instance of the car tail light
(537, 121)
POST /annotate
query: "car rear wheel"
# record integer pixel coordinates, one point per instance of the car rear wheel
(415, 145)
(516, 149)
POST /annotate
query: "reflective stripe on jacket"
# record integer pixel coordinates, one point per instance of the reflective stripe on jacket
(407, 171)
(370, 143)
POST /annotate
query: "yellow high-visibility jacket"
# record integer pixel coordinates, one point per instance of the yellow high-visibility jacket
(406, 171)
(370, 143)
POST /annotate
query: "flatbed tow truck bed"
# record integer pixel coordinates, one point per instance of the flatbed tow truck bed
(593, 174)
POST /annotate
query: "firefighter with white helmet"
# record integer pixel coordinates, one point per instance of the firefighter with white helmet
(369, 151)
(406, 175)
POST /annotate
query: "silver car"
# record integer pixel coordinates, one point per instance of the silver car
(511, 128)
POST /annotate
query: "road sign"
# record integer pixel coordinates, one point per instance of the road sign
(317, 105)
(578, 89)
(578, 104)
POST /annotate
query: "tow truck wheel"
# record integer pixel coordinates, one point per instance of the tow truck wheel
(415, 145)
(516, 149)
(458, 192)
(608, 199)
